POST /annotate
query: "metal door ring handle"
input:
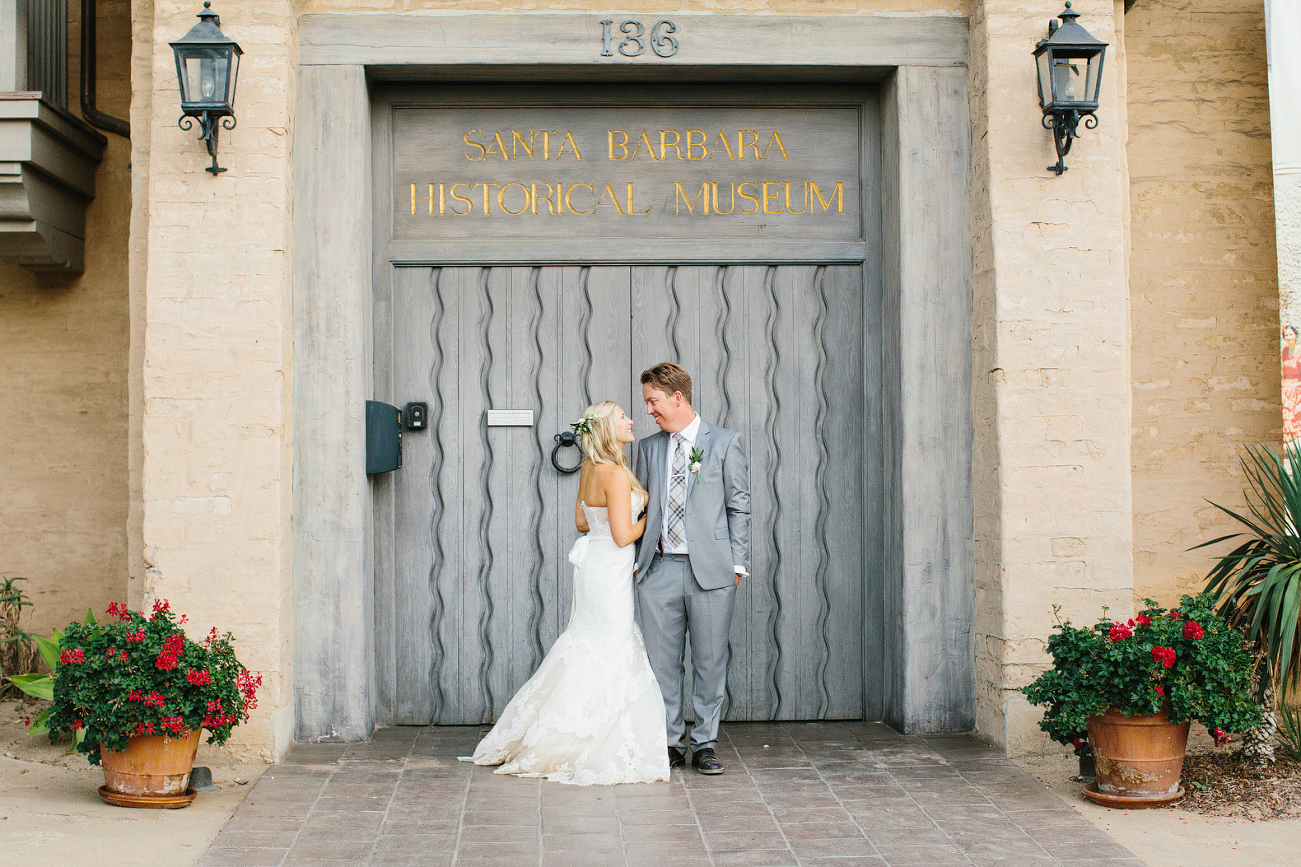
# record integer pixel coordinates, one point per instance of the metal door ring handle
(564, 439)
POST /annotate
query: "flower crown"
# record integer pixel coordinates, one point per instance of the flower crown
(583, 425)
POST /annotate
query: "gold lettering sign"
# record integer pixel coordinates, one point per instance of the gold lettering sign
(484, 173)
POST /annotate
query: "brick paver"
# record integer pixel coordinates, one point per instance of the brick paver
(844, 794)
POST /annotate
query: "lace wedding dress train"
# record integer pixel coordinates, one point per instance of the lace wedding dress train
(592, 713)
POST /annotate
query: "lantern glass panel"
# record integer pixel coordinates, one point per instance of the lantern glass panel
(1094, 78)
(1074, 75)
(1044, 60)
(1068, 83)
(208, 76)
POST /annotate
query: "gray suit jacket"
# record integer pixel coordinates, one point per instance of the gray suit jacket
(718, 504)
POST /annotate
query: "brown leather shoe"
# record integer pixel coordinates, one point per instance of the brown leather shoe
(677, 758)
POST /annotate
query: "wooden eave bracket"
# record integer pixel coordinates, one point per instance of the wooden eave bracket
(47, 178)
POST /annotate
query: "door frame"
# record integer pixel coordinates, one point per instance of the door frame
(925, 427)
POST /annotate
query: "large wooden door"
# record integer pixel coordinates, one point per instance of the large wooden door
(482, 521)
(479, 585)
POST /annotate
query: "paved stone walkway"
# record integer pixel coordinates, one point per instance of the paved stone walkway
(799, 794)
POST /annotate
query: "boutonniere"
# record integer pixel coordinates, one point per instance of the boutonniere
(696, 457)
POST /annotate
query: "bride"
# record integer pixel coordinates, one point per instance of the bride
(592, 714)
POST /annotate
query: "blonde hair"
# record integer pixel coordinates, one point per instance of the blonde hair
(599, 443)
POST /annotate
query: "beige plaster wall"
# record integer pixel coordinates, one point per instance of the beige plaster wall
(63, 382)
(1203, 275)
(1050, 364)
(215, 383)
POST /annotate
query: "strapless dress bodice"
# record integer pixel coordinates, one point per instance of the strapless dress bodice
(598, 517)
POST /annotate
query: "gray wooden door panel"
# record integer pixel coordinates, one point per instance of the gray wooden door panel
(775, 353)
(483, 523)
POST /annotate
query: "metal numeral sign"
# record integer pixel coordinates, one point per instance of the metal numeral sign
(634, 45)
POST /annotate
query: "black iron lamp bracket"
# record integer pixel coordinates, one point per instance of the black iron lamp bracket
(208, 133)
(1065, 126)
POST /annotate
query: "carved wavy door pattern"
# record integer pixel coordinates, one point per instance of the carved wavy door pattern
(482, 522)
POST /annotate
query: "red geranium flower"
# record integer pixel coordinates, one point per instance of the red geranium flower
(68, 657)
(1143, 620)
(1164, 655)
(1159, 690)
(172, 647)
(1193, 630)
(1119, 632)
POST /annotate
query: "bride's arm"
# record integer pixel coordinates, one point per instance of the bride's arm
(618, 497)
(580, 520)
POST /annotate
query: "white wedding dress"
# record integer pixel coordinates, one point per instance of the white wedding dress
(592, 714)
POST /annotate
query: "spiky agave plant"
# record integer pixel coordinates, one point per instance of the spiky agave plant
(1258, 583)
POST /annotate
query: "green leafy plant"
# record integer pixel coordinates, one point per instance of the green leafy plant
(1258, 583)
(136, 675)
(42, 685)
(1290, 730)
(17, 646)
(1186, 660)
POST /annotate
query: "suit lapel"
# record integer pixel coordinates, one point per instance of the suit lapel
(702, 441)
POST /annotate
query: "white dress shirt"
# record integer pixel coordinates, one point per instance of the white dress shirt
(688, 435)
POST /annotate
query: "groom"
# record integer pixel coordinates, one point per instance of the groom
(691, 558)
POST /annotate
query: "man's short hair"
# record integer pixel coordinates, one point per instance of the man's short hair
(668, 378)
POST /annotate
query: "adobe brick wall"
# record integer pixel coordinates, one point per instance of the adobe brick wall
(1203, 276)
(63, 387)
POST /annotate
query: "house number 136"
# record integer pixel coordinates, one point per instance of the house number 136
(634, 46)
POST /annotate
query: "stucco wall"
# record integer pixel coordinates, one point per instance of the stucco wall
(1203, 276)
(215, 384)
(63, 382)
(1050, 364)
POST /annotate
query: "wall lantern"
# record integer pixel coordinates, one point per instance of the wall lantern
(1070, 74)
(207, 63)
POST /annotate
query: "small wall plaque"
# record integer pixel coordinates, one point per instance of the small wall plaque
(510, 418)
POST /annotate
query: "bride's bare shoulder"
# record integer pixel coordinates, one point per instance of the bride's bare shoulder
(606, 474)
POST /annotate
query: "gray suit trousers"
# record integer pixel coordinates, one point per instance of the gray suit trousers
(670, 596)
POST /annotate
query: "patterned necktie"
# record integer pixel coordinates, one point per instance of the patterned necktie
(677, 533)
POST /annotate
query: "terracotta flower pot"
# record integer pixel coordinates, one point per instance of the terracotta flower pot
(1139, 759)
(153, 771)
